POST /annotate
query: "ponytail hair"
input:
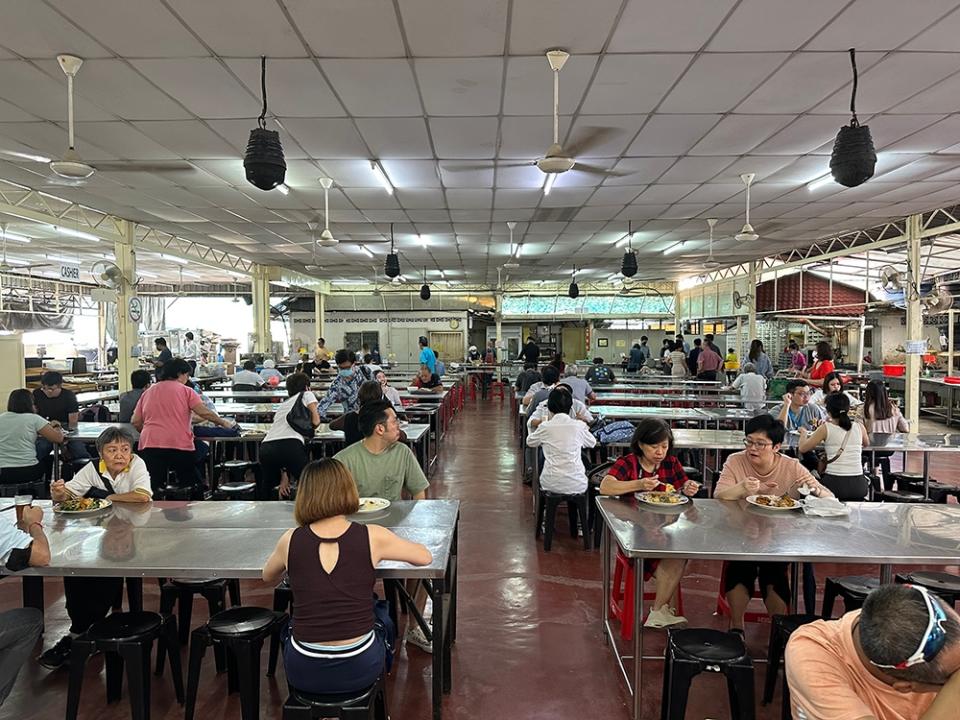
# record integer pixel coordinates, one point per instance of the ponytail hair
(838, 405)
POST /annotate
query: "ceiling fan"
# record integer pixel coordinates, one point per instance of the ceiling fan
(326, 237)
(747, 233)
(71, 169)
(512, 262)
(710, 263)
(559, 159)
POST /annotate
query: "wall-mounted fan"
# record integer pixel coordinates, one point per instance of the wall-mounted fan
(107, 275)
(938, 301)
(740, 300)
(891, 279)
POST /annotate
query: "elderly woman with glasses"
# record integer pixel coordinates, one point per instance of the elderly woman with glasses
(760, 469)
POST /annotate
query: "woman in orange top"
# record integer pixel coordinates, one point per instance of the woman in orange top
(823, 366)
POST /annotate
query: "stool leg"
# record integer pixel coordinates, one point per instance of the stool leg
(740, 689)
(248, 670)
(198, 647)
(626, 614)
(541, 507)
(572, 517)
(668, 660)
(774, 656)
(550, 520)
(681, 675)
(137, 659)
(113, 663)
(170, 643)
(583, 513)
(79, 652)
(785, 712)
(185, 614)
(380, 710)
(135, 594)
(829, 596)
(233, 587)
(280, 605)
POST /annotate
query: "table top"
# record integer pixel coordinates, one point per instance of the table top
(251, 431)
(627, 397)
(627, 412)
(92, 398)
(734, 530)
(220, 539)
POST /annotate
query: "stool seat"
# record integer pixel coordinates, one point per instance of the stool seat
(235, 464)
(197, 582)
(852, 588)
(945, 585)
(236, 487)
(241, 621)
(125, 626)
(709, 645)
(902, 496)
(338, 700)
(789, 623)
(367, 704)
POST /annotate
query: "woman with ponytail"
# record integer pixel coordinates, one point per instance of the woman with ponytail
(843, 441)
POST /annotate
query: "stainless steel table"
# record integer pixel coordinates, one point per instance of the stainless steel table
(884, 533)
(94, 398)
(234, 540)
(669, 415)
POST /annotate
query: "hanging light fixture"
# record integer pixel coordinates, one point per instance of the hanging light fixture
(628, 267)
(710, 263)
(853, 159)
(263, 162)
(747, 233)
(424, 289)
(574, 290)
(391, 267)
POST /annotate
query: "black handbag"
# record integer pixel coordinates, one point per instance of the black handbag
(299, 418)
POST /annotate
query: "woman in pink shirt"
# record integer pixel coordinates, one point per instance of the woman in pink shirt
(162, 417)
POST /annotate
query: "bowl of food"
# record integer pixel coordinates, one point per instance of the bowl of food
(773, 502)
(668, 499)
(372, 505)
(81, 506)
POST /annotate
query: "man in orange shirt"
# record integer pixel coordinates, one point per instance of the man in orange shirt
(896, 659)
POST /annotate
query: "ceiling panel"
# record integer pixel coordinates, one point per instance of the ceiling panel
(633, 83)
(249, 29)
(295, 88)
(718, 82)
(396, 137)
(880, 24)
(581, 27)
(326, 137)
(45, 96)
(738, 134)
(330, 27)
(529, 84)
(202, 85)
(668, 25)
(34, 30)
(377, 88)
(758, 25)
(465, 138)
(460, 86)
(187, 138)
(455, 28)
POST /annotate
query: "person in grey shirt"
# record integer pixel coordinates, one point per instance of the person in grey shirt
(578, 386)
(139, 381)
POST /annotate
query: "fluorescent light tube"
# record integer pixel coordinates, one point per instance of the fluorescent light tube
(76, 233)
(284, 190)
(820, 182)
(548, 185)
(365, 251)
(381, 176)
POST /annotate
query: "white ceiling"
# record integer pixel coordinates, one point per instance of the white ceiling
(697, 91)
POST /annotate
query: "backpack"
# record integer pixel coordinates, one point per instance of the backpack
(607, 432)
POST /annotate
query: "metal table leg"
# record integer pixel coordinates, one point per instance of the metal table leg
(638, 639)
(439, 641)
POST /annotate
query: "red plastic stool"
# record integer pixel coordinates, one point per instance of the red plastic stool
(621, 596)
(723, 607)
(474, 382)
(497, 386)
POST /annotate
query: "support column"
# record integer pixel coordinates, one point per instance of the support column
(319, 310)
(951, 314)
(914, 323)
(127, 329)
(260, 288)
(498, 316)
(752, 305)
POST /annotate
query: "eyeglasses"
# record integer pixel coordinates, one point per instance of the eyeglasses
(934, 637)
(756, 444)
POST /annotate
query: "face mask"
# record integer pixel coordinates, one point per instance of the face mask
(348, 372)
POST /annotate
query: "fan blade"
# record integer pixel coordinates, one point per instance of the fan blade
(151, 167)
(489, 166)
(17, 156)
(594, 170)
(341, 241)
(64, 182)
(589, 138)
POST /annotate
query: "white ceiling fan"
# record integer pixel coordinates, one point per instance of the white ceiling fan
(747, 233)
(326, 237)
(512, 262)
(71, 169)
(710, 263)
(559, 159)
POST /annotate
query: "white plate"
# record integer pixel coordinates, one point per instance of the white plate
(644, 497)
(752, 499)
(372, 505)
(104, 505)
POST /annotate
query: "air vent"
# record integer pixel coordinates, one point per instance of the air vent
(555, 214)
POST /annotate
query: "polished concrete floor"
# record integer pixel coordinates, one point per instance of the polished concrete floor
(529, 643)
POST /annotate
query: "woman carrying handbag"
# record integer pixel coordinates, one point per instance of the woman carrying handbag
(842, 468)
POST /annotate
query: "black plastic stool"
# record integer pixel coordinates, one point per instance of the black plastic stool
(236, 491)
(126, 639)
(37, 489)
(781, 628)
(691, 652)
(943, 585)
(369, 704)
(180, 492)
(282, 601)
(938, 491)
(240, 632)
(902, 496)
(576, 504)
(215, 592)
(852, 588)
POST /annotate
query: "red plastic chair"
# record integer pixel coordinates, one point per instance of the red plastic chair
(723, 607)
(621, 596)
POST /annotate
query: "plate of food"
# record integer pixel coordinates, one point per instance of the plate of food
(81, 506)
(774, 502)
(373, 504)
(670, 499)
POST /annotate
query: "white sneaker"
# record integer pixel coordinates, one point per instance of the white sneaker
(664, 617)
(415, 636)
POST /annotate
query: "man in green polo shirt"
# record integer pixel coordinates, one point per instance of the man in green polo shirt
(381, 465)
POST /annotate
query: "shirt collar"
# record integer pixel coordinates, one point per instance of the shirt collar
(102, 467)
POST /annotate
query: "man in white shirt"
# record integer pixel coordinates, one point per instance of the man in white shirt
(752, 387)
(191, 352)
(248, 376)
(121, 477)
(578, 411)
(562, 438)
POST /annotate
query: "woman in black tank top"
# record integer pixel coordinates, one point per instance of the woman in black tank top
(335, 643)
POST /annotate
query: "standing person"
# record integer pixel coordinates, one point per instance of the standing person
(562, 439)
(600, 374)
(694, 355)
(798, 360)
(337, 641)
(473, 354)
(345, 385)
(761, 469)
(683, 343)
(139, 381)
(898, 658)
(375, 355)
(636, 360)
(441, 368)
(731, 364)
(760, 359)
(163, 419)
(191, 352)
(120, 477)
(708, 341)
(822, 366)
(843, 441)
(247, 376)
(644, 349)
(163, 355)
(665, 351)
(709, 364)
(21, 429)
(58, 404)
(283, 448)
(531, 351)
(22, 545)
(651, 466)
(678, 361)
(881, 415)
(427, 356)
(752, 387)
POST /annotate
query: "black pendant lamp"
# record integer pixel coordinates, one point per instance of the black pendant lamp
(853, 159)
(628, 268)
(574, 290)
(391, 268)
(263, 162)
(424, 289)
